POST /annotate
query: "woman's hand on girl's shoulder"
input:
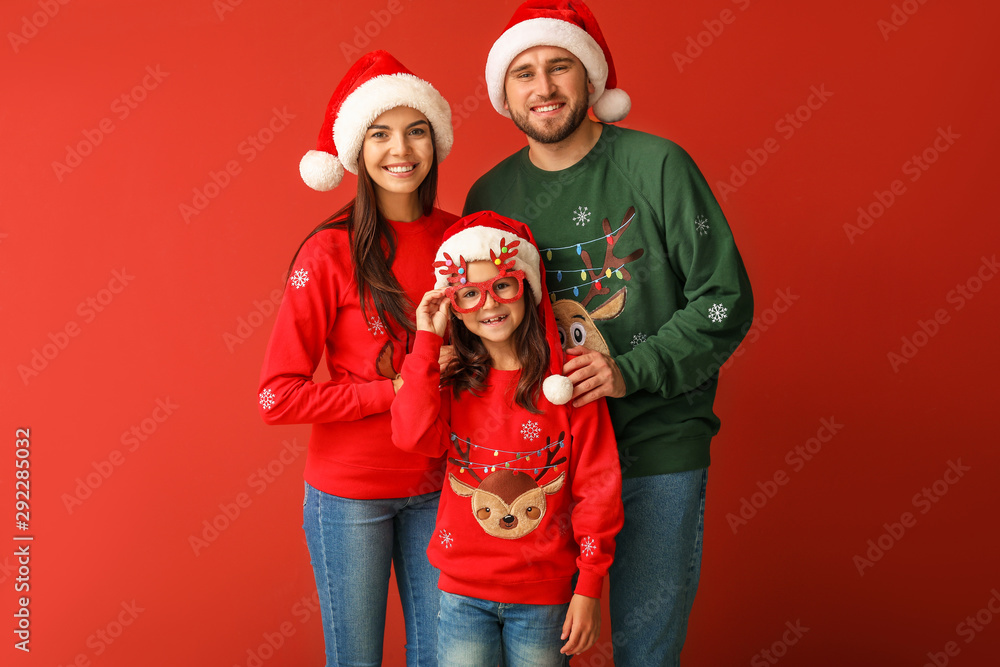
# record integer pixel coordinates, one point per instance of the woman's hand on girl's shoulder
(432, 312)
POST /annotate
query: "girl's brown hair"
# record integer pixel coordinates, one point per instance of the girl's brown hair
(471, 365)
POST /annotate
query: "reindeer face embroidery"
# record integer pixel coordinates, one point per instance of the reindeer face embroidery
(576, 325)
(506, 504)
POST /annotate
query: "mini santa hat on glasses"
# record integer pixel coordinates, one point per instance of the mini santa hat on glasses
(510, 245)
(376, 83)
(568, 24)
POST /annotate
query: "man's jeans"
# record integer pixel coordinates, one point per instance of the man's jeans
(656, 569)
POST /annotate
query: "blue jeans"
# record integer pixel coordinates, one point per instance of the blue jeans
(481, 633)
(657, 565)
(351, 544)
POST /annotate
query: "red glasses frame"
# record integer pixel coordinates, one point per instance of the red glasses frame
(484, 287)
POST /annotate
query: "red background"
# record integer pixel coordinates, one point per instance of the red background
(172, 332)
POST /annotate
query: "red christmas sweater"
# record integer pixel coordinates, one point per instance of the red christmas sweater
(350, 449)
(529, 499)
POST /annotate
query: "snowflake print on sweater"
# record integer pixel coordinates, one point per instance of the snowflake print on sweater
(530, 430)
(375, 326)
(717, 313)
(267, 399)
(588, 547)
(446, 538)
(299, 278)
(581, 216)
(701, 224)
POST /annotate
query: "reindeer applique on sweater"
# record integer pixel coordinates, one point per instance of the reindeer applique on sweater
(509, 503)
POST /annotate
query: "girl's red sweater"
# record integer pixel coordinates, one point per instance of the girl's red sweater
(350, 450)
(529, 500)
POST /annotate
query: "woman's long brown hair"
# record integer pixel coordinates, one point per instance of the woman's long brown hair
(471, 365)
(373, 246)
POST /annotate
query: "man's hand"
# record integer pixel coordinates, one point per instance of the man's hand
(582, 624)
(593, 375)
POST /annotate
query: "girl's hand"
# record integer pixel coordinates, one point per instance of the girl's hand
(582, 625)
(432, 312)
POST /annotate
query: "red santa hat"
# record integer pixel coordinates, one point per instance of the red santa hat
(568, 24)
(511, 246)
(376, 83)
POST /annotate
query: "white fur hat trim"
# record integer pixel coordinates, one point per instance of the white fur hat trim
(543, 32)
(376, 96)
(475, 244)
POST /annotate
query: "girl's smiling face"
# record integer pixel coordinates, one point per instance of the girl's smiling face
(494, 322)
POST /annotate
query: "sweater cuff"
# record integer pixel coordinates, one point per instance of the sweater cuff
(427, 345)
(589, 584)
(375, 397)
(638, 372)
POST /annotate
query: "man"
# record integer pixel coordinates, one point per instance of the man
(639, 257)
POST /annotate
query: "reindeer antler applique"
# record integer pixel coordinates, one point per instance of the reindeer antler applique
(611, 264)
(508, 503)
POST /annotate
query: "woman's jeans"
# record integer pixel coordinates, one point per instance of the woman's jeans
(351, 545)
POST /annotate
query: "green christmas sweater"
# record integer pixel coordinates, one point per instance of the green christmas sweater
(640, 264)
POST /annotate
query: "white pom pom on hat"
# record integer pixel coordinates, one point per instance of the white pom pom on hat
(567, 24)
(558, 389)
(321, 171)
(376, 83)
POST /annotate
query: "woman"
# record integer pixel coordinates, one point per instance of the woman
(351, 290)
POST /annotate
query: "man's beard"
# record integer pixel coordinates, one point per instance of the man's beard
(547, 134)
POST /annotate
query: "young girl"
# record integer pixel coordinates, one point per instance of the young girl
(532, 502)
(351, 290)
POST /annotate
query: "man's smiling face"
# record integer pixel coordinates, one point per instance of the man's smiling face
(547, 93)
